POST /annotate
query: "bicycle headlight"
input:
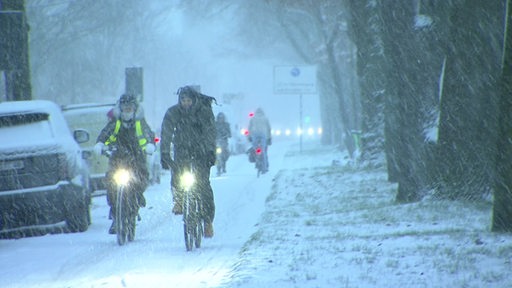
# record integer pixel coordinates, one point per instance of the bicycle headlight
(122, 177)
(218, 150)
(187, 180)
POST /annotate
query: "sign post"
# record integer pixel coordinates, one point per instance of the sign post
(134, 82)
(295, 80)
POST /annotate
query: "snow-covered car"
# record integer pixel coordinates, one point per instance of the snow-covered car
(44, 181)
(91, 117)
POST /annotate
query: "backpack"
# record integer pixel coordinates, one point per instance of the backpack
(206, 100)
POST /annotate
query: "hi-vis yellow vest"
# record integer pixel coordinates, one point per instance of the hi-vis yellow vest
(138, 132)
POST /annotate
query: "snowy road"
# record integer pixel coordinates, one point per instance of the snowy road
(157, 257)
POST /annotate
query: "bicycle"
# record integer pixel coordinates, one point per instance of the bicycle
(126, 204)
(192, 207)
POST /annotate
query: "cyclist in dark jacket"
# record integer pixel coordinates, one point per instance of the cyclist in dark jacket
(189, 127)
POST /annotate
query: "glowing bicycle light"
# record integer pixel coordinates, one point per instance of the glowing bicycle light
(122, 177)
(218, 150)
(187, 180)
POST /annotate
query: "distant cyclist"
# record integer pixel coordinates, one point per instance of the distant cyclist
(223, 134)
(259, 133)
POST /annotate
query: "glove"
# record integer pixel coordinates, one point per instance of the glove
(269, 141)
(211, 158)
(150, 148)
(98, 148)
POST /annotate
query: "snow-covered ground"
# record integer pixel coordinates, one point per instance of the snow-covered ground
(337, 226)
(307, 223)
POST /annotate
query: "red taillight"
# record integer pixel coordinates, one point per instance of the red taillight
(258, 151)
(157, 140)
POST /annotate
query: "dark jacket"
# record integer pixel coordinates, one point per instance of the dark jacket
(223, 130)
(190, 133)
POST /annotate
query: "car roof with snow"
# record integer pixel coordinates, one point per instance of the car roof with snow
(87, 106)
(29, 135)
(33, 106)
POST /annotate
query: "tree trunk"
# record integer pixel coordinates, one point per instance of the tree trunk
(467, 131)
(14, 53)
(410, 91)
(363, 30)
(502, 208)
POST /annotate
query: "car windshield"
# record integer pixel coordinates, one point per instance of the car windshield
(20, 127)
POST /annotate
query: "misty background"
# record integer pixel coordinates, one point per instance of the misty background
(426, 82)
(79, 50)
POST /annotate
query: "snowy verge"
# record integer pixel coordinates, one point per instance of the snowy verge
(332, 226)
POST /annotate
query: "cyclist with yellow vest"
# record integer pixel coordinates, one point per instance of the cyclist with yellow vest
(128, 131)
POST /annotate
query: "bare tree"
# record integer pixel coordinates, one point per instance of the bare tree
(79, 49)
(14, 51)
(317, 33)
(468, 123)
(502, 208)
(412, 78)
(365, 32)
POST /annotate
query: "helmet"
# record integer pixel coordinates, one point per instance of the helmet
(221, 116)
(128, 105)
(128, 99)
(187, 92)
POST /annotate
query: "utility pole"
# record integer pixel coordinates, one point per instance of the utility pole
(14, 54)
(134, 82)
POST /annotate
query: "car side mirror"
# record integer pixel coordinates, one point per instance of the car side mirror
(81, 135)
